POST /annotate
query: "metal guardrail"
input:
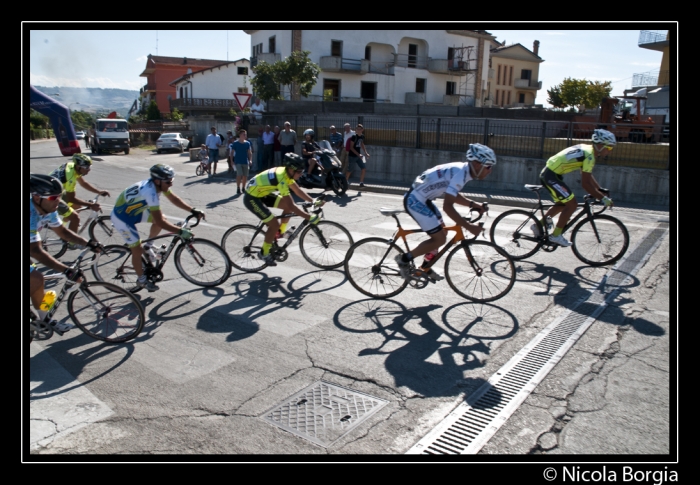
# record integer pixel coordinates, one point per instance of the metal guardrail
(516, 138)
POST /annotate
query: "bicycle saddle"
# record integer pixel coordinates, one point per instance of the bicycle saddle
(390, 212)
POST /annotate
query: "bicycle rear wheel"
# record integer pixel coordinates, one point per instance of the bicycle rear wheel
(51, 243)
(479, 271)
(242, 244)
(106, 312)
(114, 265)
(600, 240)
(199, 170)
(371, 269)
(511, 231)
(202, 262)
(325, 245)
(102, 231)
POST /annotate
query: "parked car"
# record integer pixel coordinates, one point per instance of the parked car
(172, 141)
(80, 135)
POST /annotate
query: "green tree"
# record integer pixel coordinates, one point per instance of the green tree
(580, 93)
(554, 97)
(37, 120)
(296, 71)
(82, 120)
(153, 113)
(177, 115)
(597, 91)
(574, 91)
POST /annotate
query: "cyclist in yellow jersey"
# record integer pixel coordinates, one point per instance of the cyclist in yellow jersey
(70, 174)
(271, 188)
(578, 157)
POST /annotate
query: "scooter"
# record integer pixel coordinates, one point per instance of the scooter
(328, 171)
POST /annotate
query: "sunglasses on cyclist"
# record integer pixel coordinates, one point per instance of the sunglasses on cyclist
(169, 181)
(50, 197)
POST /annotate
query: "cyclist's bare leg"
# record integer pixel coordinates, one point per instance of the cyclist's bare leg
(73, 221)
(36, 288)
(136, 255)
(566, 211)
(436, 240)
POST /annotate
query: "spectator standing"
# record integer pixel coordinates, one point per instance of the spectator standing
(288, 138)
(257, 109)
(242, 151)
(336, 140)
(268, 156)
(229, 157)
(277, 148)
(213, 142)
(357, 147)
(347, 134)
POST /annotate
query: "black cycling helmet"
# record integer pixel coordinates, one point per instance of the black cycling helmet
(161, 171)
(82, 160)
(41, 184)
(294, 161)
(309, 132)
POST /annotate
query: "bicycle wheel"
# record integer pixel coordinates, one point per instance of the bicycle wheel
(242, 244)
(325, 245)
(511, 231)
(199, 170)
(371, 269)
(51, 243)
(600, 240)
(114, 265)
(102, 231)
(106, 312)
(479, 271)
(202, 262)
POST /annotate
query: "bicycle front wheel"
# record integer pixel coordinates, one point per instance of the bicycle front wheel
(479, 271)
(102, 231)
(202, 262)
(512, 232)
(114, 265)
(600, 240)
(106, 312)
(325, 245)
(51, 243)
(371, 269)
(242, 244)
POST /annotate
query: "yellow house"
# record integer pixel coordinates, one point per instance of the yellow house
(514, 74)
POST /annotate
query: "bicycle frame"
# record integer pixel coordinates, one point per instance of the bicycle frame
(173, 244)
(68, 287)
(583, 210)
(91, 217)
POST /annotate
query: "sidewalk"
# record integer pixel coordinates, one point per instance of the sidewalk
(523, 199)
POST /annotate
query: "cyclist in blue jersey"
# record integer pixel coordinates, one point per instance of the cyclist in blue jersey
(140, 202)
(45, 195)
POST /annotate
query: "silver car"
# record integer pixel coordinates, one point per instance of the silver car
(172, 141)
(79, 135)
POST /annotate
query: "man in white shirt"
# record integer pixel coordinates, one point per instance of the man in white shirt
(213, 142)
(257, 109)
(347, 134)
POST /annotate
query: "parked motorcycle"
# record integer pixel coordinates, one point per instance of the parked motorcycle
(328, 171)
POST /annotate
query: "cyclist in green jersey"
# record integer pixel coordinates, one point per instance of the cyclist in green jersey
(271, 189)
(70, 174)
(578, 157)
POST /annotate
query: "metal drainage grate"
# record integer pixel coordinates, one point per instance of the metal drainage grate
(323, 412)
(467, 429)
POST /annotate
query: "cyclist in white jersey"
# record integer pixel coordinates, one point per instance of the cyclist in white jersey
(45, 197)
(140, 202)
(447, 179)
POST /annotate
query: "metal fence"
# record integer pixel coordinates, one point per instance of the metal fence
(638, 145)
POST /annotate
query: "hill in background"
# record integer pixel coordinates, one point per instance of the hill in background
(97, 101)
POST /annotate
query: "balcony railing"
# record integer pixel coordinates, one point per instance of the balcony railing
(148, 87)
(651, 79)
(647, 37)
(203, 103)
(527, 84)
(269, 57)
(415, 62)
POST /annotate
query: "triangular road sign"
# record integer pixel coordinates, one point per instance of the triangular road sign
(242, 99)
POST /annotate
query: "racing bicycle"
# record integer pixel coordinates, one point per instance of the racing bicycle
(597, 239)
(199, 261)
(99, 228)
(103, 311)
(323, 245)
(476, 270)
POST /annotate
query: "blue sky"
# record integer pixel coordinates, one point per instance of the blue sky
(115, 58)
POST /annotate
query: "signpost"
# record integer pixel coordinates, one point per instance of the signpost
(242, 99)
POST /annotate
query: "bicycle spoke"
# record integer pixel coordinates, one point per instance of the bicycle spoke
(114, 265)
(480, 271)
(325, 245)
(600, 240)
(202, 262)
(242, 244)
(371, 269)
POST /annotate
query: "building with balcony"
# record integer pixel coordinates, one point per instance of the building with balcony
(513, 79)
(160, 71)
(445, 67)
(211, 89)
(654, 84)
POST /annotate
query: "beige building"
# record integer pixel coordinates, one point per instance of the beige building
(514, 73)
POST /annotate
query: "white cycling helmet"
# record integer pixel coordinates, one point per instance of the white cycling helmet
(482, 154)
(604, 137)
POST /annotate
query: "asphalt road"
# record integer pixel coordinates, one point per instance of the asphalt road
(234, 372)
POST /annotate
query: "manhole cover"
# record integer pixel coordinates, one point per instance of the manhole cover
(323, 412)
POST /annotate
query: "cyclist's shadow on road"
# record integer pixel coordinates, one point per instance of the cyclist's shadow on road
(427, 358)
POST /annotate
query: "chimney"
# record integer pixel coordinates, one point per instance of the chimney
(184, 60)
(536, 47)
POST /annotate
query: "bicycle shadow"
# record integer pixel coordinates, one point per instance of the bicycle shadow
(416, 352)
